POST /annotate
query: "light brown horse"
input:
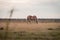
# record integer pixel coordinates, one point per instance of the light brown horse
(32, 18)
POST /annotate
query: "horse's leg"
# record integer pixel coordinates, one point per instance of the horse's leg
(36, 21)
(33, 20)
(28, 21)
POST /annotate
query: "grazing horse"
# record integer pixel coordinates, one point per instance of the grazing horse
(32, 18)
(35, 19)
(29, 18)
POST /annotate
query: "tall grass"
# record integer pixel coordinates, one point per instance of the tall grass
(24, 35)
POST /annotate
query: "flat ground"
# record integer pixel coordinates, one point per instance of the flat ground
(23, 26)
(33, 31)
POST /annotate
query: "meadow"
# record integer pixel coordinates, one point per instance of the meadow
(31, 31)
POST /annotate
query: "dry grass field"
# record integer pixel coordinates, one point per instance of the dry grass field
(31, 31)
(23, 26)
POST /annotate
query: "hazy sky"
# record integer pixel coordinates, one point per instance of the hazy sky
(23, 8)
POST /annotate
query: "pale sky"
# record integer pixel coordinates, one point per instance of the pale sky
(23, 8)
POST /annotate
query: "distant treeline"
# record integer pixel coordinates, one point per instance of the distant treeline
(24, 20)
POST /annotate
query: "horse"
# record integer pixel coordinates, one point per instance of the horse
(32, 18)
(29, 18)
